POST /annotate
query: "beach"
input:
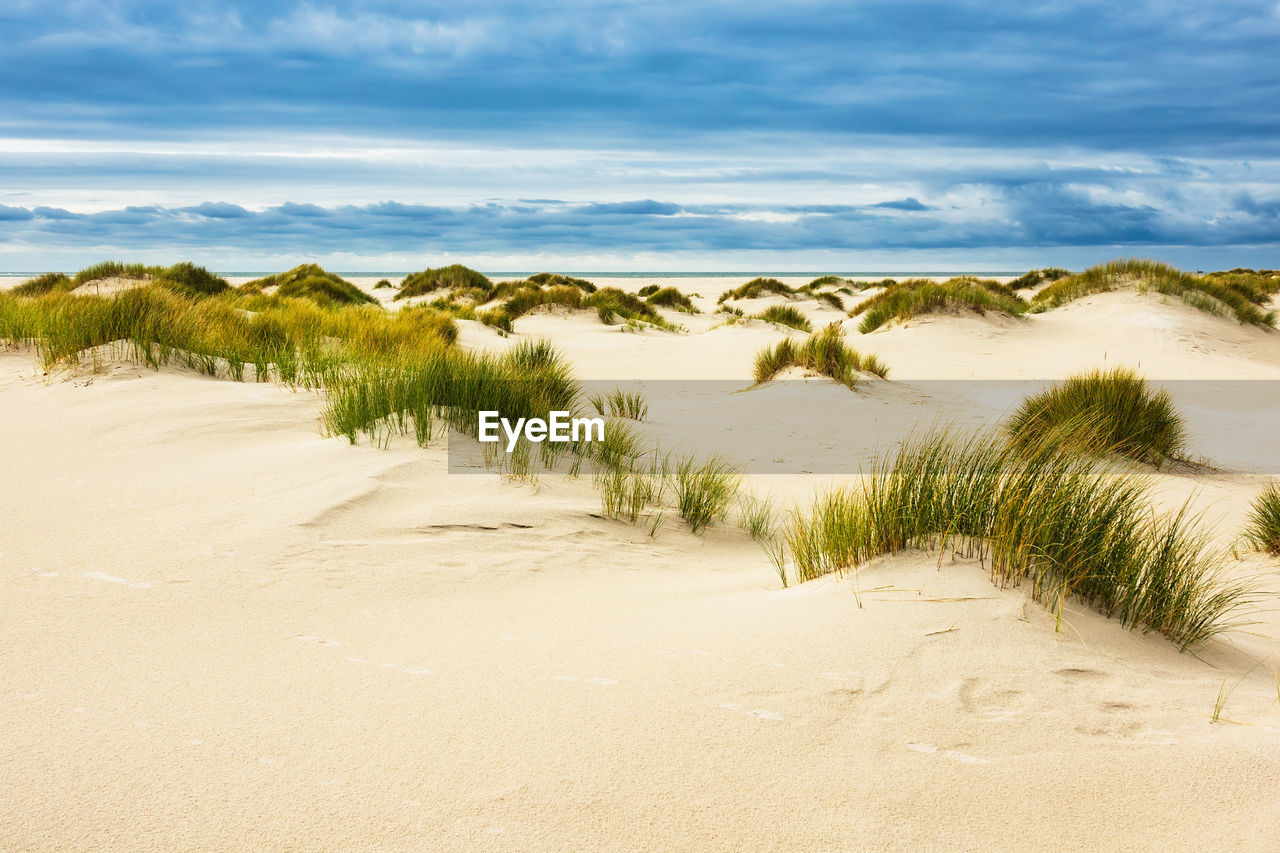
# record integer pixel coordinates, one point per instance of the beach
(221, 628)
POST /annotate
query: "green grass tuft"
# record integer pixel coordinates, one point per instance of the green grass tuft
(192, 280)
(621, 404)
(918, 296)
(1236, 295)
(785, 315)
(555, 279)
(1262, 529)
(115, 269)
(1056, 522)
(824, 352)
(670, 297)
(756, 288)
(705, 490)
(829, 281)
(311, 282)
(454, 276)
(1035, 278)
(50, 282)
(1111, 411)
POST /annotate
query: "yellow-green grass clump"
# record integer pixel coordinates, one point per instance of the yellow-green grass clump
(309, 281)
(183, 277)
(1054, 521)
(704, 490)
(1238, 296)
(670, 297)
(756, 288)
(50, 282)
(612, 304)
(617, 403)
(452, 277)
(824, 352)
(830, 281)
(555, 279)
(1035, 278)
(918, 296)
(1101, 412)
(517, 298)
(524, 299)
(1262, 529)
(785, 315)
(1257, 286)
(293, 340)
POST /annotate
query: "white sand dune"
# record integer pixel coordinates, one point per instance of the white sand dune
(220, 630)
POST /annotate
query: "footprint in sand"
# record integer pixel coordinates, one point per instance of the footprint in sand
(762, 714)
(757, 713)
(953, 754)
(316, 641)
(103, 576)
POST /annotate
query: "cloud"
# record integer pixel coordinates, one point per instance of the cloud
(1035, 215)
(216, 210)
(902, 204)
(648, 207)
(983, 73)
(660, 127)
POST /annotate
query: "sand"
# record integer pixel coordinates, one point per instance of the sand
(221, 630)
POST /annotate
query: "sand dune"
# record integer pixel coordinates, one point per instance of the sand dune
(221, 630)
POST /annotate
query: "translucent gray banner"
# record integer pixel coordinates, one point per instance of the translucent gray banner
(815, 426)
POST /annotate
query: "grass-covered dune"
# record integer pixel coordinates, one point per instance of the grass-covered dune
(670, 297)
(555, 279)
(183, 277)
(756, 288)
(1101, 412)
(1262, 528)
(1057, 523)
(513, 300)
(452, 277)
(759, 287)
(286, 338)
(785, 315)
(824, 352)
(470, 295)
(1238, 294)
(310, 281)
(1035, 278)
(380, 373)
(918, 296)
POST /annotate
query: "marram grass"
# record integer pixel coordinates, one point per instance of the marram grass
(914, 297)
(823, 352)
(756, 288)
(184, 277)
(705, 489)
(785, 315)
(1058, 524)
(442, 278)
(1100, 412)
(670, 297)
(1262, 528)
(1239, 296)
(621, 404)
(1035, 278)
(310, 281)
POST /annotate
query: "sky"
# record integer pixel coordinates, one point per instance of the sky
(807, 136)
